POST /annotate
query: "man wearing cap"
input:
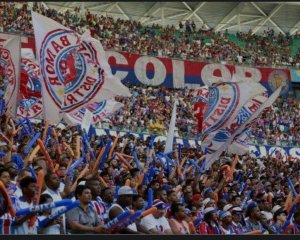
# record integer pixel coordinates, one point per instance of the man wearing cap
(226, 223)
(124, 202)
(236, 213)
(253, 217)
(157, 223)
(279, 216)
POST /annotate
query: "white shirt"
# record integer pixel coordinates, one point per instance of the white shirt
(159, 224)
(24, 229)
(131, 226)
(56, 197)
(50, 230)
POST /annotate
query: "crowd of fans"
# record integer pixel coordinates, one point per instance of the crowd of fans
(106, 178)
(149, 111)
(279, 125)
(238, 195)
(188, 42)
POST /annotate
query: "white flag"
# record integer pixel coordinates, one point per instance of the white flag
(170, 137)
(30, 102)
(74, 69)
(224, 103)
(10, 57)
(100, 111)
(246, 123)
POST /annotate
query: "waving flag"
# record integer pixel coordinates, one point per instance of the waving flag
(74, 69)
(201, 94)
(241, 145)
(170, 138)
(235, 130)
(201, 99)
(99, 110)
(222, 136)
(224, 103)
(10, 51)
(30, 97)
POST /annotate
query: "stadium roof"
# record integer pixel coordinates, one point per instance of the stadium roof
(235, 16)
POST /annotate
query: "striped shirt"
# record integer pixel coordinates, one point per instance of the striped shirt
(99, 206)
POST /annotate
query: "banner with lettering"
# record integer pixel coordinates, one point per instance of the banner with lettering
(10, 57)
(30, 103)
(74, 69)
(255, 150)
(175, 73)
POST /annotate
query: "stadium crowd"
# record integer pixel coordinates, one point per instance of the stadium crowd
(238, 195)
(126, 184)
(187, 42)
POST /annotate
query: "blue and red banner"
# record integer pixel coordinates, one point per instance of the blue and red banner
(174, 73)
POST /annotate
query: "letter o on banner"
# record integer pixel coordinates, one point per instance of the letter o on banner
(140, 69)
(247, 74)
(274, 150)
(120, 59)
(208, 77)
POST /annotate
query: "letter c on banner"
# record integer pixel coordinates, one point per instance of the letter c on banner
(120, 59)
(208, 77)
(242, 72)
(140, 69)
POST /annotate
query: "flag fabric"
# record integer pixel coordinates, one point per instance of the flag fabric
(30, 102)
(100, 111)
(248, 115)
(224, 103)
(201, 99)
(201, 94)
(74, 69)
(221, 136)
(170, 137)
(241, 145)
(199, 110)
(10, 57)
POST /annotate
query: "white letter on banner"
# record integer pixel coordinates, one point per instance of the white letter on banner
(140, 68)
(257, 151)
(274, 150)
(208, 77)
(295, 152)
(178, 73)
(242, 72)
(120, 59)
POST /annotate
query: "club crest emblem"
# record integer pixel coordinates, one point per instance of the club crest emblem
(7, 73)
(70, 69)
(30, 97)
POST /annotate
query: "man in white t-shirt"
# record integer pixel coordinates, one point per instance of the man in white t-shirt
(53, 182)
(29, 189)
(157, 223)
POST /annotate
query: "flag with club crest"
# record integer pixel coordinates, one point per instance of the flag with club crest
(10, 57)
(224, 103)
(246, 117)
(200, 103)
(241, 145)
(30, 103)
(100, 111)
(74, 69)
